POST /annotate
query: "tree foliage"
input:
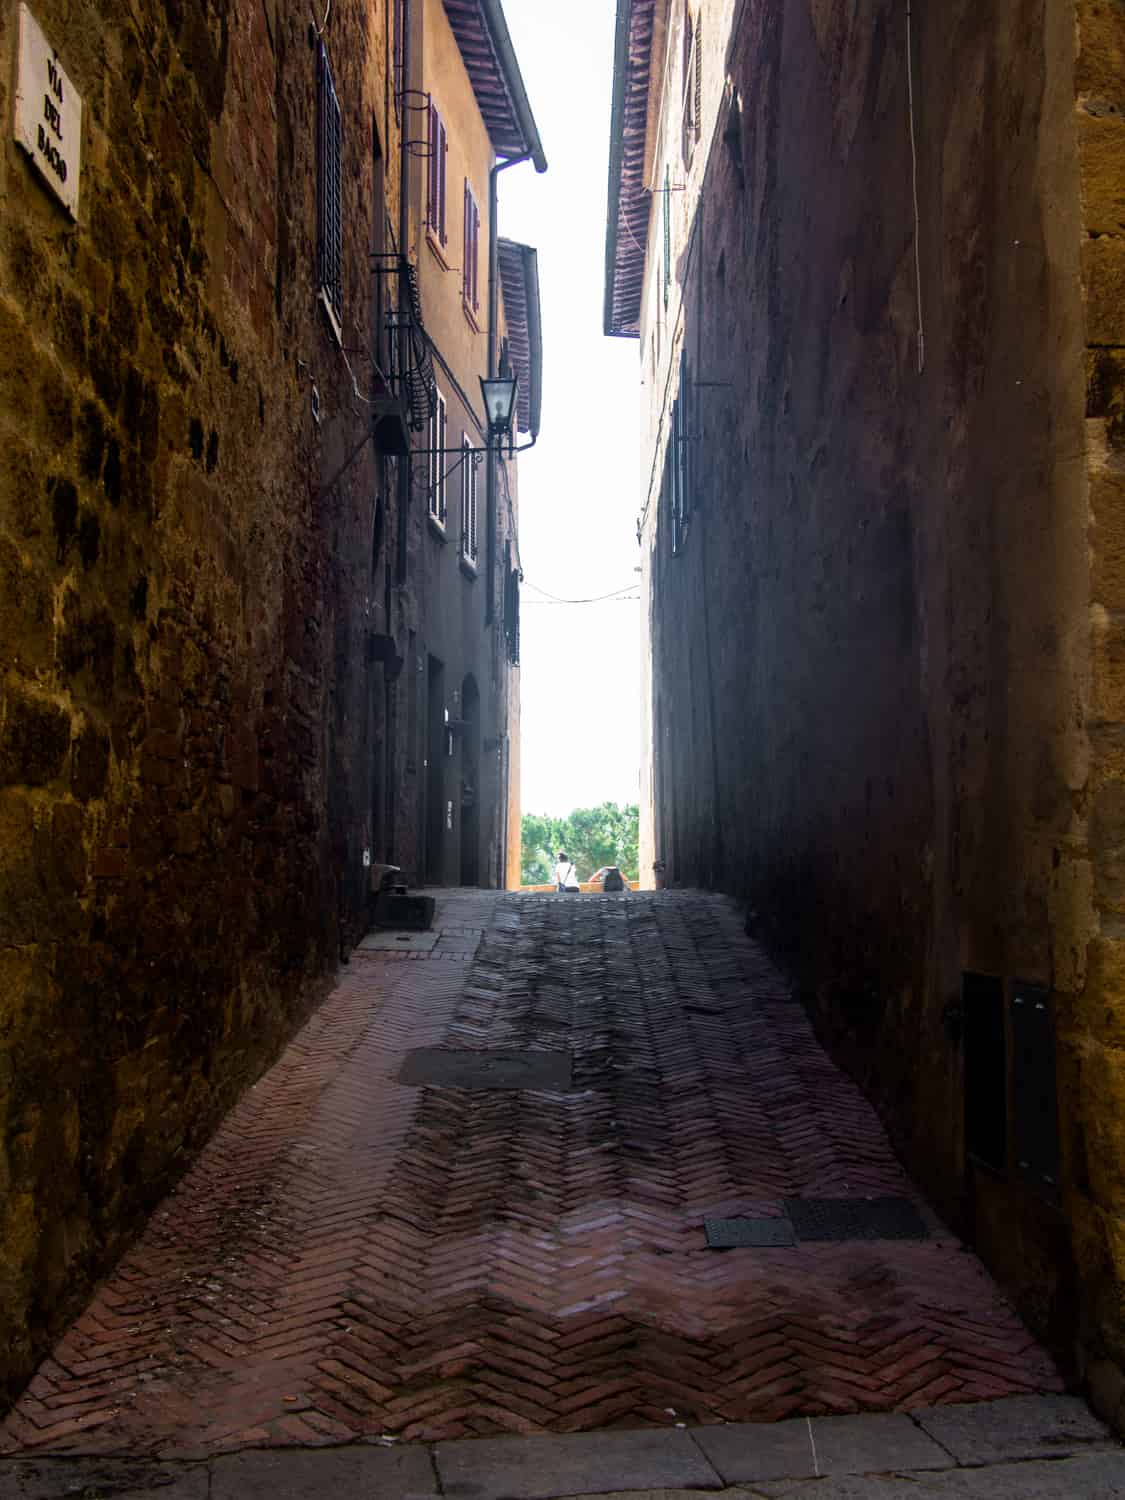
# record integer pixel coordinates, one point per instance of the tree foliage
(591, 836)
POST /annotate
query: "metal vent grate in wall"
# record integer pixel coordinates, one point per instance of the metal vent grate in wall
(1034, 1103)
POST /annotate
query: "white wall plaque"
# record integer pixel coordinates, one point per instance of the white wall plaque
(48, 119)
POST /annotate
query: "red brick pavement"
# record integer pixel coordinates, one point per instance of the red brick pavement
(353, 1257)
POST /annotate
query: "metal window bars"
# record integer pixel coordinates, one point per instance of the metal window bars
(410, 373)
(329, 218)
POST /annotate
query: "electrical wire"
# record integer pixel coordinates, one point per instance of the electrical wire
(595, 599)
(613, 599)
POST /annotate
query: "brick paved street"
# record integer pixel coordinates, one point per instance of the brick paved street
(355, 1257)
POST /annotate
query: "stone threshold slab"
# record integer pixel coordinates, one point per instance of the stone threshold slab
(1016, 1448)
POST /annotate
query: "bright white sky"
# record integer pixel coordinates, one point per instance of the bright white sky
(578, 485)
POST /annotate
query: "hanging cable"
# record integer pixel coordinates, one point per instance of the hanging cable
(613, 599)
(595, 599)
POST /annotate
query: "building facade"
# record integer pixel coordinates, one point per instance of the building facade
(218, 571)
(465, 116)
(872, 262)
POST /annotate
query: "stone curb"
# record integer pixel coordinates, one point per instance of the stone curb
(1021, 1447)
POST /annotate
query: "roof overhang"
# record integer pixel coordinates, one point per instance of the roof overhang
(629, 199)
(485, 45)
(519, 282)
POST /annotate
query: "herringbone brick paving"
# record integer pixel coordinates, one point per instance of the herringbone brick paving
(351, 1257)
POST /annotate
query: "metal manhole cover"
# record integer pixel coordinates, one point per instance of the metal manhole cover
(855, 1219)
(451, 1068)
(732, 1234)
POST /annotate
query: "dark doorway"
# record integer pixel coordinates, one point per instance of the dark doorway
(437, 736)
(470, 783)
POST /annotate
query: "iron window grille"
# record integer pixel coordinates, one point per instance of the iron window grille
(437, 150)
(409, 350)
(329, 236)
(436, 443)
(468, 500)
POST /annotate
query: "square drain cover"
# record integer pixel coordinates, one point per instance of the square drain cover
(450, 1068)
(731, 1234)
(855, 1219)
(400, 942)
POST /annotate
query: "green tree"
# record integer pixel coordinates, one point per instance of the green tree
(541, 841)
(592, 836)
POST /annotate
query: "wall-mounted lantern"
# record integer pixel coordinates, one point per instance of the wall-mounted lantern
(499, 393)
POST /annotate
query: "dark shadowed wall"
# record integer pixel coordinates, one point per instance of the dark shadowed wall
(188, 698)
(886, 696)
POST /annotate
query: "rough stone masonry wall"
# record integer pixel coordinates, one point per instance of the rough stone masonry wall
(876, 716)
(1096, 1038)
(184, 713)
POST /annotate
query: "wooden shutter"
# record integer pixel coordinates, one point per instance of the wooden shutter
(443, 152)
(697, 83)
(476, 251)
(667, 234)
(466, 245)
(443, 509)
(437, 459)
(470, 284)
(438, 148)
(688, 92)
(397, 20)
(466, 474)
(473, 506)
(432, 170)
(433, 444)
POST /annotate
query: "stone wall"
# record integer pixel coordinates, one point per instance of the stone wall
(886, 679)
(188, 698)
(1096, 1032)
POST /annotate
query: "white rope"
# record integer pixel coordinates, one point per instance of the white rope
(914, 181)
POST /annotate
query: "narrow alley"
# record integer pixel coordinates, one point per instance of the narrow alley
(381, 1242)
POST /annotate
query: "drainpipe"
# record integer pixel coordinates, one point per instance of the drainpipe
(493, 369)
(403, 240)
(390, 716)
(491, 472)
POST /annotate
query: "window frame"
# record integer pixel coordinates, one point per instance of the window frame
(329, 195)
